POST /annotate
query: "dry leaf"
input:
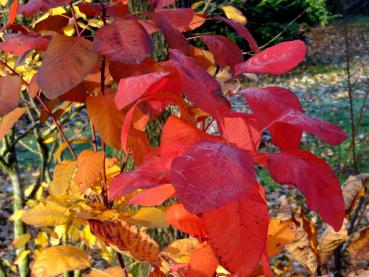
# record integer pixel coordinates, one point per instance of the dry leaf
(359, 248)
(330, 240)
(351, 189)
(126, 237)
(59, 259)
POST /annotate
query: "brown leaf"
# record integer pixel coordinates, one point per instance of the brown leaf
(359, 248)
(10, 88)
(126, 237)
(7, 122)
(304, 248)
(89, 165)
(68, 60)
(106, 118)
(351, 189)
(330, 240)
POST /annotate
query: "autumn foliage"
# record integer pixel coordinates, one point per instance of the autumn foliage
(201, 179)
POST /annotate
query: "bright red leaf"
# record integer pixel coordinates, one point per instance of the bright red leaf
(18, 44)
(132, 88)
(268, 104)
(275, 60)
(179, 18)
(330, 133)
(154, 196)
(210, 174)
(314, 178)
(242, 130)
(123, 40)
(148, 175)
(238, 231)
(13, 12)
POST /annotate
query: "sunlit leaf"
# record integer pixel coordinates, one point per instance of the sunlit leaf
(234, 14)
(8, 121)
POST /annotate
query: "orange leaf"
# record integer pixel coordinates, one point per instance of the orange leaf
(13, 12)
(359, 248)
(126, 237)
(10, 88)
(280, 233)
(114, 271)
(107, 119)
(62, 177)
(89, 165)
(68, 60)
(7, 122)
(184, 221)
(203, 262)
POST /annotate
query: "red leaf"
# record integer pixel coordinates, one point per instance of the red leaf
(178, 18)
(10, 89)
(242, 31)
(177, 136)
(148, 175)
(123, 40)
(18, 44)
(238, 231)
(154, 196)
(200, 87)
(314, 178)
(132, 88)
(210, 175)
(158, 4)
(268, 104)
(13, 12)
(40, 6)
(124, 70)
(203, 262)
(68, 60)
(225, 51)
(174, 38)
(54, 23)
(242, 130)
(330, 133)
(185, 221)
(275, 60)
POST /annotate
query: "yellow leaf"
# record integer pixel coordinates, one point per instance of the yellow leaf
(89, 165)
(181, 250)
(21, 241)
(57, 11)
(46, 214)
(3, 3)
(22, 255)
(280, 233)
(62, 177)
(17, 215)
(196, 5)
(149, 217)
(114, 271)
(42, 239)
(234, 14)
(64, 146)
(69, 30)
(59, 259)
